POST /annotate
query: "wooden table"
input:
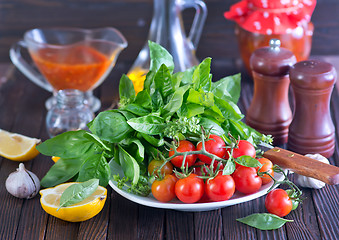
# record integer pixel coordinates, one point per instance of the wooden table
(22, 110)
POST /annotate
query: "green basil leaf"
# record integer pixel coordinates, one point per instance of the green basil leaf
(186, 76)
(135, 109)
(134, 147)
(143, 99)
(200, 97)
(229, 167)
(72, 144)
(62, 171)
(190, 110)
(152, 140)
(126, 88)
(212, 126)
(214, 112)
(202, 77)
(228, 109)
(150, 124)
(111, 126)
(97, 140)
(159, 55)
(227, 88)
(163, 81)
(127, 114)
(95, 167)
(264, 221)
(129, 165)
(78, 192)
(157, 100)
(175, 102)
(248, 161)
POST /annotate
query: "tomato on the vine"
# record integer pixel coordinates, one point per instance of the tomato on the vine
(267, 166)
(246, 180)
(214, 145)
(164, 189)
(220, 188)
(184, 146)
(189, 189)
(243, 148)
(154, 165)
(278, 202)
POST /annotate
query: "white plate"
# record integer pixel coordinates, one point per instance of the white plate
(175, 204)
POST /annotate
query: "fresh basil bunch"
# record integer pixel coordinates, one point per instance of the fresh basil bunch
(171, 105)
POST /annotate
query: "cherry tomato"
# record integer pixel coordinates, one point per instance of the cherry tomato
(244, 148)
(267, 167)
(189, 189)
(278, 202)
(214, 145)
(154, 166)
(199, 168)
(184, 146)
(164, 189)
(246, 180)
(220, 188)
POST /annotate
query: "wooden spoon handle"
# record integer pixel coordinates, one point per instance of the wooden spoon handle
(303, 165)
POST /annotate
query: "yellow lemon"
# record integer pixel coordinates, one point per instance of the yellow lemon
(84, 210)
(17, 147)
(55, 159)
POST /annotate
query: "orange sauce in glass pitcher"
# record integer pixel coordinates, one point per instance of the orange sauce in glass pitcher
(78, 67)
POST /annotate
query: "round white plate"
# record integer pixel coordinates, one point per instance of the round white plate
(175, 204)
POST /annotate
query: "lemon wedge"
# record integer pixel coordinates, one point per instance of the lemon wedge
(17, 147)
(55, 159)
(82, 211)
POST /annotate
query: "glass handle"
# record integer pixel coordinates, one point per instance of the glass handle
(25, 68)
(198, 21)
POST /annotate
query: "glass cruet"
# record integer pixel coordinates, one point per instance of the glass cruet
(167, 29)
(68, 113)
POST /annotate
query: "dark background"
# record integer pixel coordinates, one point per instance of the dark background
(132, 18)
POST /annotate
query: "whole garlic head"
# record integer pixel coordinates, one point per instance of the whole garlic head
(22, 183)
(309, 182)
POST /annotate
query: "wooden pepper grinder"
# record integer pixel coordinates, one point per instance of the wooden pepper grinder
(312, 130)
(269, 111)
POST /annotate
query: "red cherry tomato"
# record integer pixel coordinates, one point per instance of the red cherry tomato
(164, 190)
(189, 189)
(220, 188)
(244, 148)
(199, 168)
(267, 166)
(215, 145)
(184, 146)
(278, 202)
(246, 180)
(154, 165)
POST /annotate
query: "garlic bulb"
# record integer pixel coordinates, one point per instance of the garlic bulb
(22, 183)
(309, 182)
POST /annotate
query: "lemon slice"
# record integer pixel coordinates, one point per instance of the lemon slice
(17, 147)
(82, 211)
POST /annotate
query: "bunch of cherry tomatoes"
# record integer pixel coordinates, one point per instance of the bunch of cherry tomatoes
(202, 184)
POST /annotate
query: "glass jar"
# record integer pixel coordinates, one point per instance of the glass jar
(69, 113)
(298, 41)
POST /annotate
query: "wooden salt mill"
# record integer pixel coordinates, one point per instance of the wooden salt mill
(269, 111)
(312, 129)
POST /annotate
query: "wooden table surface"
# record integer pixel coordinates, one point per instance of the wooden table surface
(22, 111)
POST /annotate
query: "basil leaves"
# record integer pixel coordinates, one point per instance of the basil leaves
(171, 105)
(264, 221)
(78, 192)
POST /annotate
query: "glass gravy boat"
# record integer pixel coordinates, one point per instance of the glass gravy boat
(69, 58)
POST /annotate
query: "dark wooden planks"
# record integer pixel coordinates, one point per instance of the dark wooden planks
(179, 225)
(123, 219)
